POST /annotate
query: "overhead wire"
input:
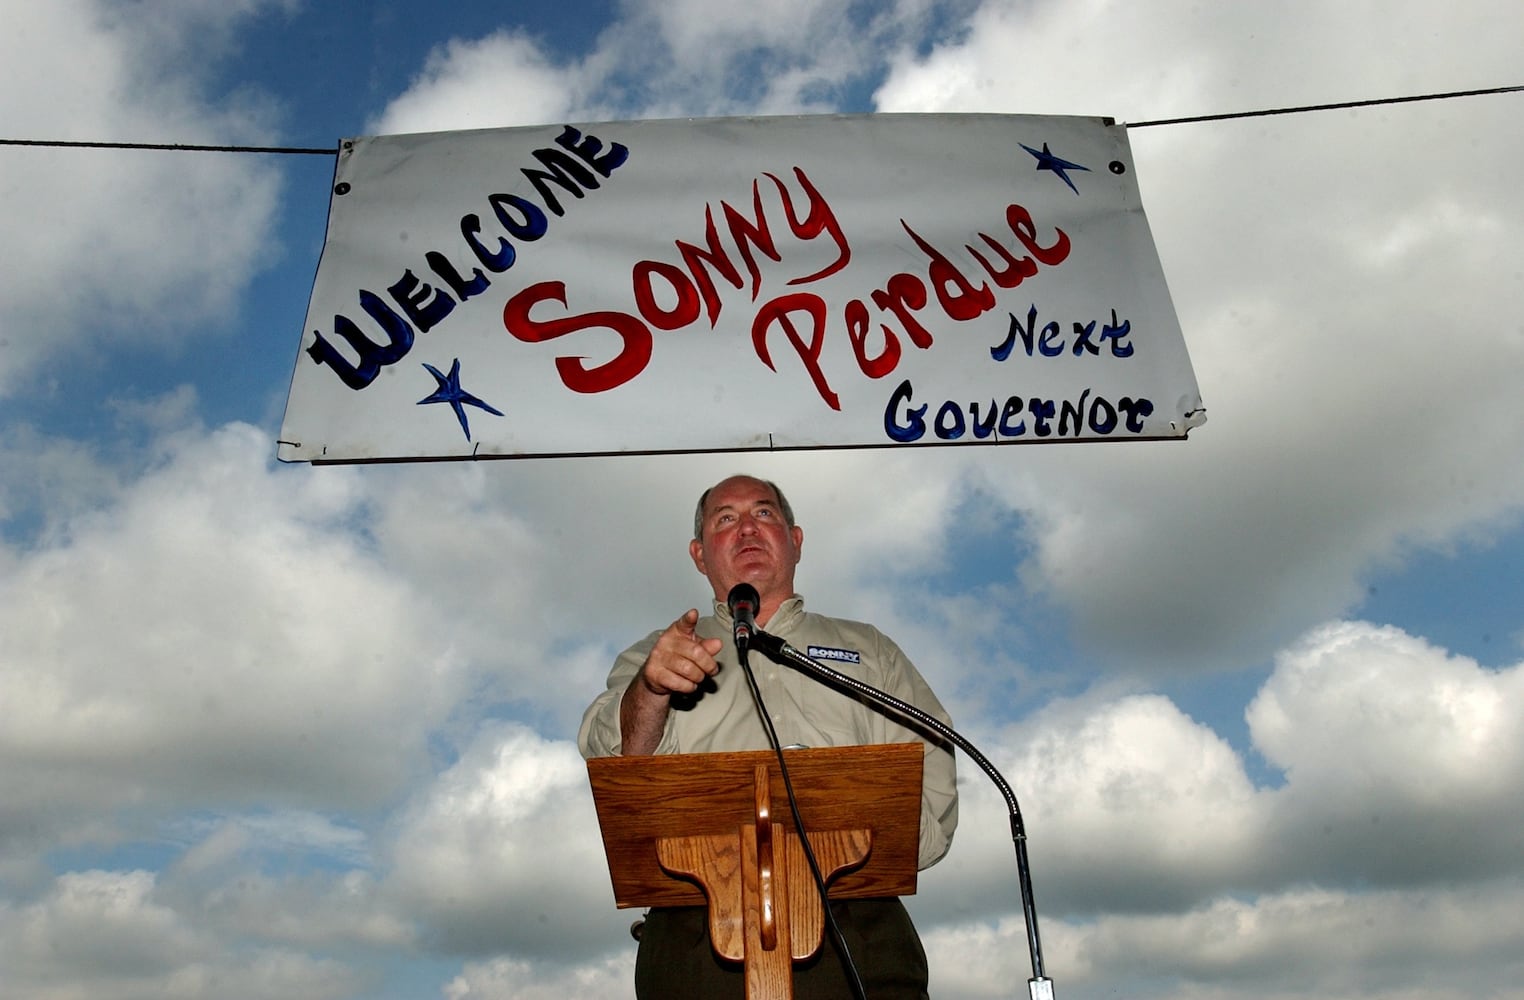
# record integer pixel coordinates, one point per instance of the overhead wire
(175, 147)
(181, 147)
(1338, 106)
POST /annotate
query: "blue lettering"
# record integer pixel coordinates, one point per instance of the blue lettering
(534, 223)
(1082, 334)
(1051, 345)
(571, 176)
(589, 148)
(425, 305)
(497, 261)
(1136, 410)
(949, 426)
(1103, 416)
(905, 422)
(1042, 411)
(1049, 341)
(915, 428)
(1071, 413)
(373, 356)
(1012, 411)
(1117, 334)
(463, 289)
(982, 428)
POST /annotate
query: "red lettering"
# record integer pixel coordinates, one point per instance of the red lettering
(748, 234)
(821, 219)
(1014, 272)
(969, 301)
(684, 312)
(902, 293)
(574, 372)
(695, 257)
(779, 311)
(1020, 221)
(856, 315)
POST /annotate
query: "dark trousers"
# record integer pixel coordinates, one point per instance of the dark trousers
(676, 962)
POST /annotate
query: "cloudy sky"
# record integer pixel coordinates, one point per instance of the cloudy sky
(279, 731)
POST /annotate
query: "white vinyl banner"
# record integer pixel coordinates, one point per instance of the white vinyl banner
(737, 284)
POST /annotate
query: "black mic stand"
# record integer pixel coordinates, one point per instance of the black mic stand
(1039, 986)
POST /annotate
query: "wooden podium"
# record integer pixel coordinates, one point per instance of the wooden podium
(690, 829)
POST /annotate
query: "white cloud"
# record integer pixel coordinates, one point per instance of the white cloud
(502, 854)
(1148, 61)
(99, 921)
(104, 934)
(739, 57)
(85, 216)
(511, 979)
(501, 80)
(311, 912)
(48, 481)
(1402, 767)
(1128, 803)
(1356, 708)
(1403, 764)
(292, 830)
(1437, 944)
(665, 60)
(217, 634)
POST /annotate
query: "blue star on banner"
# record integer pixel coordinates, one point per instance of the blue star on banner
(449, 391)
(1047, 161)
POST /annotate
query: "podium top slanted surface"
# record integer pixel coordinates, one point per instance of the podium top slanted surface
(642, 799)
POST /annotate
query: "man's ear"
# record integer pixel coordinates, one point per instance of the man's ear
(798, 534)
(696, 552)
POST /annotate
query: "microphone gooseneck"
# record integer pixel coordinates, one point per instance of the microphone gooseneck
(1039, 987)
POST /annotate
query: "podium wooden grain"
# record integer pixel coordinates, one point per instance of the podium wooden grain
(715, 829)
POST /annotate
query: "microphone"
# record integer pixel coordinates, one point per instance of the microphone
(743, 602)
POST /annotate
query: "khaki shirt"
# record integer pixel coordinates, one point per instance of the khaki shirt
(805, 712)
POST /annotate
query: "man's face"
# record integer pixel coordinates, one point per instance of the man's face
(745, 538)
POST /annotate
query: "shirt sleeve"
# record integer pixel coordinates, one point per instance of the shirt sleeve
(939, 805)
(600, 735)
(939, 779)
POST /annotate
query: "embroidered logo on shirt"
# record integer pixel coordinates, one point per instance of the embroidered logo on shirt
(840, 655)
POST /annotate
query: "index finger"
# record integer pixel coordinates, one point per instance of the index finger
(686, 623)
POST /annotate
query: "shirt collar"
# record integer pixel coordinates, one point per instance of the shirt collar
(788, 612)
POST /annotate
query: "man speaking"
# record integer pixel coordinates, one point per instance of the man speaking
(681, 690)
